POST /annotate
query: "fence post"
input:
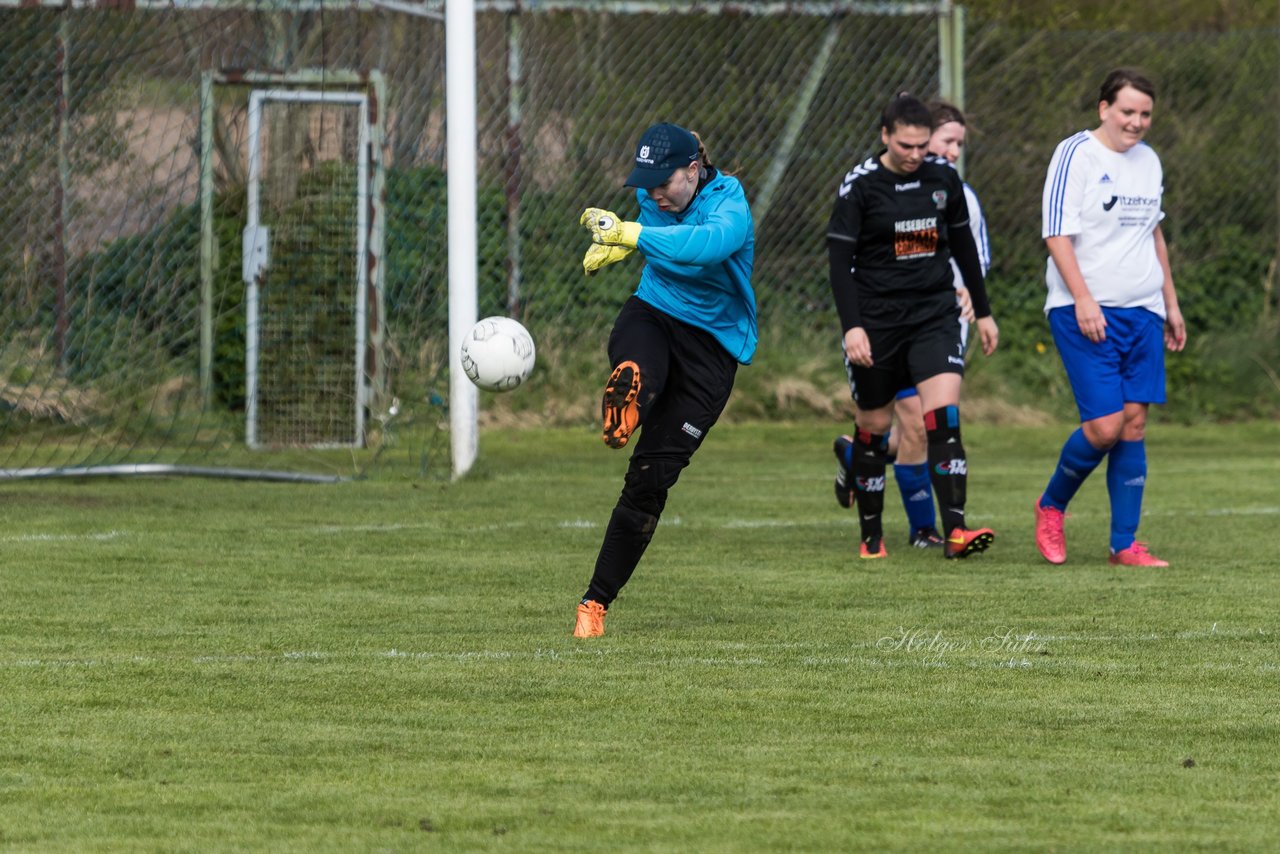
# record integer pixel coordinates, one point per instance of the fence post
(62, 88)
(951, 60)
(515, 118)
(206, 238)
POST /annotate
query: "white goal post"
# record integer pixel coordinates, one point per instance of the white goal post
(460, 152)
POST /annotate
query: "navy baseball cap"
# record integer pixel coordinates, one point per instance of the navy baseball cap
(662, 150)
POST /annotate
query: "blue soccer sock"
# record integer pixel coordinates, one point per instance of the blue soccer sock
(1077, 461)
(917, 495)
(1126, 480)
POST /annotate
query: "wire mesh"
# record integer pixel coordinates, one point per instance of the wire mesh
(100, 299)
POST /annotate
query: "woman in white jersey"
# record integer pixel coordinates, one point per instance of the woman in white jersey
(1112, 308)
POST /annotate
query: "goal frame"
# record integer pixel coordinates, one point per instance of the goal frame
(366, 89)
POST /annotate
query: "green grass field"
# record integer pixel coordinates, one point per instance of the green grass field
(204, 665)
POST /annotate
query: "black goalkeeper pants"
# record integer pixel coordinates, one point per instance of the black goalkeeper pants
(685, 381)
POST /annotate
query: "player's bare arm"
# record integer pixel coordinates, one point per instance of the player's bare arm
(1175, 328)
(1088, 313)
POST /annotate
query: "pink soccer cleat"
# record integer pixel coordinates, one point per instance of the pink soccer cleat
(1050, 539)
(1135, 555)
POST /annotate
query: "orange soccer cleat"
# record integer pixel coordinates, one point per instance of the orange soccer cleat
(961, 543)
(618, 409)
(590, 620)
(872, 548)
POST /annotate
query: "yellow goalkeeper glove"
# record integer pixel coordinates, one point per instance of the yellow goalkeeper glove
(602, 256)
(607, 228)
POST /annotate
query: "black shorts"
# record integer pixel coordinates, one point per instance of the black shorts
(905, 356)
(685, 379)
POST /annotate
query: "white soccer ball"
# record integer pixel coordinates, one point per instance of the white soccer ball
(498, 354)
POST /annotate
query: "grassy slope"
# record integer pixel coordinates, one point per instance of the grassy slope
(197, 665)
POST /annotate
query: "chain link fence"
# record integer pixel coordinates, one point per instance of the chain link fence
(117, 345)
(1216, 127)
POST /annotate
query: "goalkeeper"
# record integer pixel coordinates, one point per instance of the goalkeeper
(677, 342)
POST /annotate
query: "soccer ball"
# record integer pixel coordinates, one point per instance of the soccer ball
(498, 354)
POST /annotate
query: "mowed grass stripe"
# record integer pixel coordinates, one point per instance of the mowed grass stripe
(386, 665)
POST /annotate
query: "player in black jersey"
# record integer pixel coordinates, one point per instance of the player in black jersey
(898, 220)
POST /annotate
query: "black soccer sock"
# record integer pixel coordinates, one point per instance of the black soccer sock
(948, 468)
(870, 456)
(625, 540)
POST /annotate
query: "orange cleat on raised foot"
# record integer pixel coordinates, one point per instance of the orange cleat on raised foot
(590, 620)
(618, 409)
(961, 542)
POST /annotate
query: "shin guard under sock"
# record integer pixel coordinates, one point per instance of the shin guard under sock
(1126, 480)
(948, 467)
(625, 540)
(1076, 462)
(917, 496)
(870, 455)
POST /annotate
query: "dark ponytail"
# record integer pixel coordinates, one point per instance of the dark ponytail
(905, 110)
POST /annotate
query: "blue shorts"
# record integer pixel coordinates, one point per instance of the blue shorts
(1127, 367)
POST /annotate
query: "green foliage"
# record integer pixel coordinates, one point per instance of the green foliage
(138, 290)
(386, 665)
(135, 302)
(1142, 15)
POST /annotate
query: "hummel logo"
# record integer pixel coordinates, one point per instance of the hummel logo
(1106, 206)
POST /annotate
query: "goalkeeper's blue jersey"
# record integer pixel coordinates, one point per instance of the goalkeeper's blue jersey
(699, 263)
